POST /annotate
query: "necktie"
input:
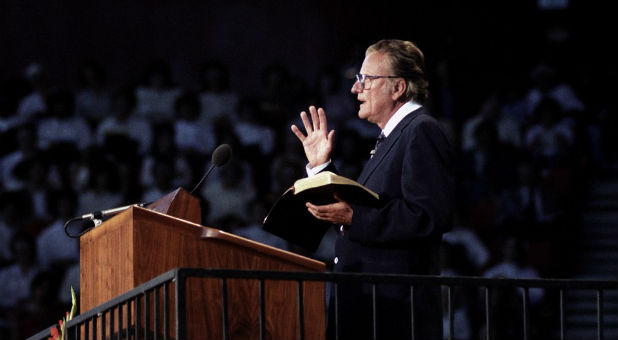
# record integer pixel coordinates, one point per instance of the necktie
(379, 141)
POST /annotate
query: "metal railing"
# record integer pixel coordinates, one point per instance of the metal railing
(152, 311)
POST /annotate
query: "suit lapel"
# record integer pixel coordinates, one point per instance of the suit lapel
(386, 147)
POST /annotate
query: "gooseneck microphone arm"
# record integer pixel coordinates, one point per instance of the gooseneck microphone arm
(220, 156)
(212, 166)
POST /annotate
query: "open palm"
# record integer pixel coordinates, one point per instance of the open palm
(318, 143)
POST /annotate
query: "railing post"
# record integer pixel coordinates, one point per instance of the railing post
(301, 314)
(155, 311)
(166, 319)
(374, 311)
(226, 324)
(451, 327)
(525, 312)
(262, 310)
(487, 314)
(336, 301)
(181, 305)
(138, 315)
(129, 321)
(562, 333)
(599, 314)
(119, 333)
(146, 315)
(412, 312)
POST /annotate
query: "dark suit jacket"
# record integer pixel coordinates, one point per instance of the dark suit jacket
(413, 174)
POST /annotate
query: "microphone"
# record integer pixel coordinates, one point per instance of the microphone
(94, 219)
(100, 214)
(220, 156)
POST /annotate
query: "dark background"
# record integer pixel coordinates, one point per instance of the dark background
(486, 39)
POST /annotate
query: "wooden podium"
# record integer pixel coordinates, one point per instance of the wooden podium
(140, 243)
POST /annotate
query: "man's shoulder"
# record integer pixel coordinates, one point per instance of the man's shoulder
(420, 118)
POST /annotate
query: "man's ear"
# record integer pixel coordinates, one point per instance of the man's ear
(399, 88)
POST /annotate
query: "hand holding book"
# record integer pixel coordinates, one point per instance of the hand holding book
(336, 213)
(290, 219)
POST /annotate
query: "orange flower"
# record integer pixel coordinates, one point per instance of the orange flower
(55, 335)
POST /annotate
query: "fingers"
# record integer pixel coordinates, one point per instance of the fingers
(331, 136)
(314, 118)
(298, 133)
(317, 211)
(322, 119)
(306, 123)
(318, 121)
(337, 213)
(323, 212)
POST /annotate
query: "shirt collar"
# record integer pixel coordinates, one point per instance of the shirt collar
(400, 114)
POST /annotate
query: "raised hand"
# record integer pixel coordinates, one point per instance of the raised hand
(318, 143)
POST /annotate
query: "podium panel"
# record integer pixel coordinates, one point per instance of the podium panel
(138, 244)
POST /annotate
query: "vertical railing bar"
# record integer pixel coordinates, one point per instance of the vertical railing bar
(86, 329)
(301, 315)
(226, 321)
(137, 315)
(525, 312)
(166, 320)
(73, 329)
(146, 315)
(599, 314)
(487, 314)
(561, 314)
(336, 301)
(103, 322)
(94, 326)
(180, 304)
(155, 311)
(374, 311)
(451, 328)
(412, 312)
(119, 335)
(262, 310)
(129, 321)
(112, 322)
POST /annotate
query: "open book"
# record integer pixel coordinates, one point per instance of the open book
(289, 218)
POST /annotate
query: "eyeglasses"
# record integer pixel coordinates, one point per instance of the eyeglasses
(362, 79)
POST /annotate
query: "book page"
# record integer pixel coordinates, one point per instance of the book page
(325, 178)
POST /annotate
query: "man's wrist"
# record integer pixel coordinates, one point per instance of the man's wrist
(316, 170)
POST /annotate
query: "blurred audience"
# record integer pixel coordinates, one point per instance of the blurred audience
(93, 100)
(217, 98)
(55, 249)
(34, 104)
(157, 93)
(121, 123)
(192, 134)
(15, 279)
